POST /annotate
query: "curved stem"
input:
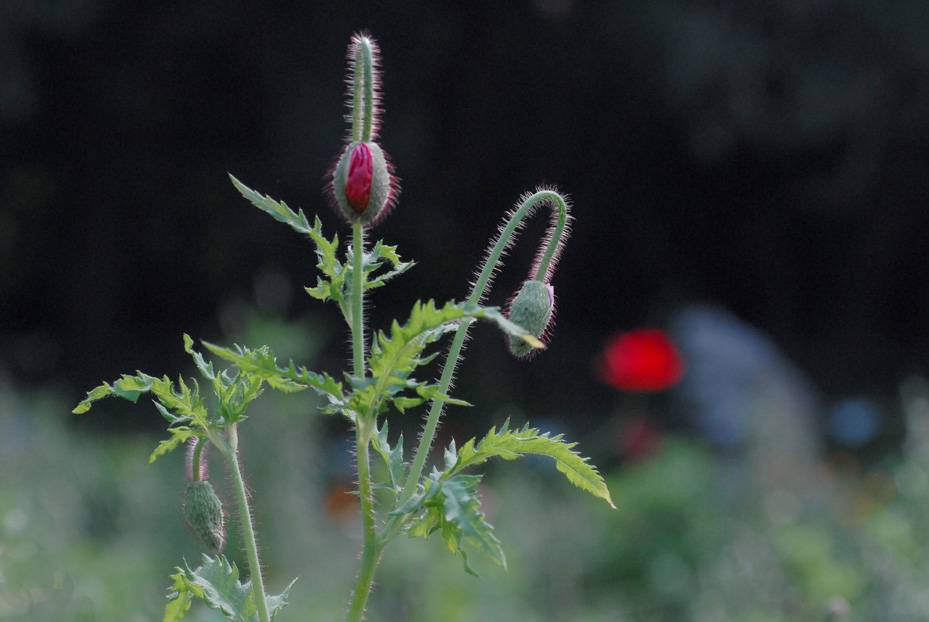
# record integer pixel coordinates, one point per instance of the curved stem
(554, 239)
(248, 532)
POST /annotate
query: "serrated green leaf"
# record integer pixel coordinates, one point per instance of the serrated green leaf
(205, 368)
(512, 444)
(262, 363)
(326, 250)
(127, 387)
(279, 211)
(382, 255)
(394, 357)
(181, 597)
(452, 506)
(393, 457)
(185, 403)
(221, 589)
(178, 436)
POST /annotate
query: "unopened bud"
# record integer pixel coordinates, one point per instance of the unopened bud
(362, 184)
(533, 308)
(204, 513)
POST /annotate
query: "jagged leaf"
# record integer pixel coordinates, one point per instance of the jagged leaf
(393, 457)
(217, 583)
(127, 387)
(181, 597)
(395, 356)
(178, 405)
(453, 506)
(178, 435)
(262, 363)
(279, 211)
(206, 369)
(512, 444)
(379, 256)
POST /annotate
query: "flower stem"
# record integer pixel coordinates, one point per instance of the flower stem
(364, 428)
(371, 551)
(245, 516)
(547, 258)
(358, 345)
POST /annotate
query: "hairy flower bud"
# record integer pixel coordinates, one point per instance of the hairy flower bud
(533, 308)
(363, 185)
(204, 513)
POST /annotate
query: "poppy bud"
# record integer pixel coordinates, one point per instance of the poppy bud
(362, 184)
(204, 513)
(533, 308)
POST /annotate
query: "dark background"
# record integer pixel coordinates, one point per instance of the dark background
(767, 156)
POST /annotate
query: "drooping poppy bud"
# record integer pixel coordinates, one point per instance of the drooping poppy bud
(641, 360)
(362, 183)
(204, 513)
(533, 308)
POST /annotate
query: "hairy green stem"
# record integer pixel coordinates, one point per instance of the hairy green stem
(371, 551)
(245, 517)
(195, 457)
(363, 112)
(364, 427)
(553, 239)
(358, 345)
(363, 91)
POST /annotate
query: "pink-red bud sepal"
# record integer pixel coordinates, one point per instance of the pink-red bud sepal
(533, 308)
(363, 185)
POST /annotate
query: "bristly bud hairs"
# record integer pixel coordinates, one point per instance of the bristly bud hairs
(363, 186)
(202, 508)
(533, 306)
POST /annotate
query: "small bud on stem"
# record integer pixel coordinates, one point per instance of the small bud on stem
(533, 308)
(362, 185)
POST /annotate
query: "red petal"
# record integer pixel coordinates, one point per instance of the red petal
(642, 360)
(360, 174)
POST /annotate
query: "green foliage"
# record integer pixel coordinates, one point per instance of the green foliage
(261, 363)
(216, 581)
(336, 280)
(453, 506)
(393, 459)
(182, 405)
(512, 444)
(382, 377)
(394, 357)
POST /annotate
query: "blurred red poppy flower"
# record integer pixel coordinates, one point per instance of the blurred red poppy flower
(641, 360)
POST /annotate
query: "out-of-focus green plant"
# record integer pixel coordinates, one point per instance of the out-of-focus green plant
(414, 502)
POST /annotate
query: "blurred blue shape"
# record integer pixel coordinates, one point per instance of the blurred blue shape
(854, 421)
(737, 381)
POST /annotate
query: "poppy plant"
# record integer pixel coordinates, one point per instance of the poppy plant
(383, 380)
(641, 360)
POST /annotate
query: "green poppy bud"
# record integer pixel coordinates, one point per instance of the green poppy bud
(533, 308)
(204, 513)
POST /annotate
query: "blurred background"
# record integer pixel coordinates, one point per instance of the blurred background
(749, 180)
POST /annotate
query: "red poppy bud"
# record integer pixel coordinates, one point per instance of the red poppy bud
(641, 360)
(532, 308)
(362, 183)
